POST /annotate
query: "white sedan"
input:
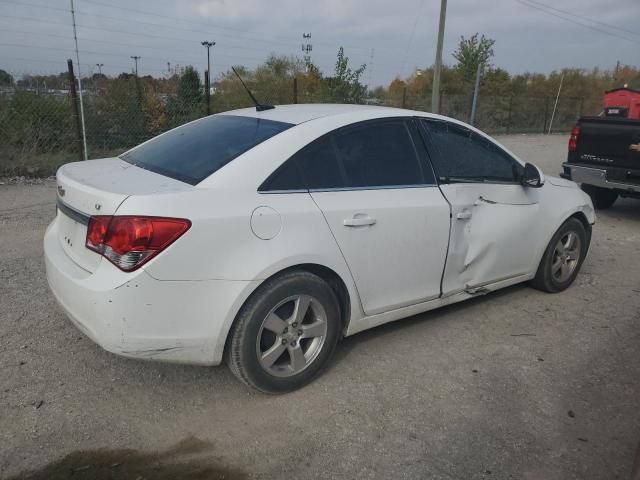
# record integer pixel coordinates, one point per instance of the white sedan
(263, 237)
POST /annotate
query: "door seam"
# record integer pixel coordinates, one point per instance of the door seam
(355, 285)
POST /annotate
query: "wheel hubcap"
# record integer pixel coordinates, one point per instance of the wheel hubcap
(566, 256)
(291, 335)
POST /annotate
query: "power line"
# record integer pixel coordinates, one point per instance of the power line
(568, 19)
(88, 66)
(413, 31)
(598, 22)
(90, 52)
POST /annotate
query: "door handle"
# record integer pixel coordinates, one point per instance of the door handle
(465, 215)
(359, 221)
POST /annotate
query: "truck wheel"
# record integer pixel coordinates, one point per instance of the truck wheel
(602, 198)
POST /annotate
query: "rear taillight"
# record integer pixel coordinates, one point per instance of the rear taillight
(573, 140)
(130, 241)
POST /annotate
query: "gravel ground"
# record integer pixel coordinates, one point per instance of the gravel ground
(517, 384)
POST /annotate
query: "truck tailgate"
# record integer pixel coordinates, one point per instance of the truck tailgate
(614, 142)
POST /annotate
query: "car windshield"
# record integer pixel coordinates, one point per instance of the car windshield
(192, 152)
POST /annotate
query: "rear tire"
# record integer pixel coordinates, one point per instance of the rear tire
(285, 334)
(602, 198)
(563, 257)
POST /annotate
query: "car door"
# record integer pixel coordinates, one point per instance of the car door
(494, 218)
(384, 209)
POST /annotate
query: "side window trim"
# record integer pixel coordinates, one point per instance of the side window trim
(433, 149)
(425, 160)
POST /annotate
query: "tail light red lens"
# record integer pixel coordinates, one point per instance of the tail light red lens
(573, 140)
(130, 241)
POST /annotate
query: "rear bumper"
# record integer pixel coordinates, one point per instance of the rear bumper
(596, 177)
(135, 315)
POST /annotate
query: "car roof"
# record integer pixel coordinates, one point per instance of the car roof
(301, 113)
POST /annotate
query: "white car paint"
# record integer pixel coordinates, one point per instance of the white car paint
(180, 306)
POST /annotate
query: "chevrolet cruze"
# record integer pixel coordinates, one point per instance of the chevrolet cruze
(261, 238)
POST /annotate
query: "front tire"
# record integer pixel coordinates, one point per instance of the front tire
(285, 334)
(602, 198)
(563, 257)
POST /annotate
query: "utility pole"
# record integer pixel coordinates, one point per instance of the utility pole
(435, 94)
(306, 47)
(75, 38)
(370, 68)
(207, 77)
(135, 59)
(99, 65)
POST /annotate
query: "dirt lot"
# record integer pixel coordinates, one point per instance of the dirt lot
(517, 384)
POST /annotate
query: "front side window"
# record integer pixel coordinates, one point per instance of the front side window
(462, 154)
(196, 150)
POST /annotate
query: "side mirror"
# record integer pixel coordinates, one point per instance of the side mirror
(532, 176)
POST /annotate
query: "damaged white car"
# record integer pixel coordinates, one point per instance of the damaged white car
(263, 237)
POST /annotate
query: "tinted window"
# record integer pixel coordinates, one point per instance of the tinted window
(378, 154)
(319, 165)
(286, 177)
(463, 153)
(194, 151)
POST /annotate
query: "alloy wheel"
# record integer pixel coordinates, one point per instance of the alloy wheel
(566, 256)
(291, 335)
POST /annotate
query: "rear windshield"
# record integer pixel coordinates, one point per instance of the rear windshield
(194, 151)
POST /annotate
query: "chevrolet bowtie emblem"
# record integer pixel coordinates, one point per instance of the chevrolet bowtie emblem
(61, 191)
(635, 147)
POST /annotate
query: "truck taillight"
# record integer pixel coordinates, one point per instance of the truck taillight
(130, 241)
(573, 140)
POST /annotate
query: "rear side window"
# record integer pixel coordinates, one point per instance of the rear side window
(194, 151)
(462, 153)
(319, 165)
(370, 154)
(377, 154)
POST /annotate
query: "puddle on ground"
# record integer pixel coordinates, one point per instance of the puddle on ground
(190, 459)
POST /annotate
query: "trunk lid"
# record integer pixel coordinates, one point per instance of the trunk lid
(98, 187)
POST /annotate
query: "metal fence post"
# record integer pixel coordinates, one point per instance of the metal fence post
(472, 117)
(509, 114)
(295, 90)
(74, 104)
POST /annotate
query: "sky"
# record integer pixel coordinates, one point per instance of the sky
(392, 37)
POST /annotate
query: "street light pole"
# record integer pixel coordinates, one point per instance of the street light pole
(208, 45)
(100, 65)
(435, 94)
(135, 59)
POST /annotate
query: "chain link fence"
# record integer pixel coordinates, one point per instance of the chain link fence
(39, 128)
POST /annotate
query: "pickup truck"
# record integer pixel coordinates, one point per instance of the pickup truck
(604, 151)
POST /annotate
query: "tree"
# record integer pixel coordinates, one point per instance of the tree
(345, 86)
(189, 101)
(471, 52)
(190, 88)
(6, 80)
